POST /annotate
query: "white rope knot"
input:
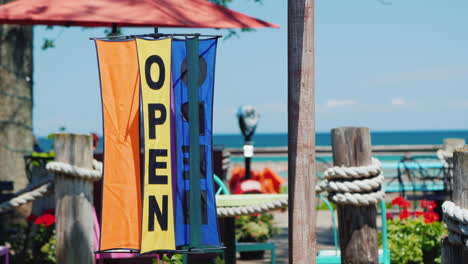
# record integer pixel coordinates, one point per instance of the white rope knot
(251, 209)
(360, 186)
(94, 174)
(456, 219)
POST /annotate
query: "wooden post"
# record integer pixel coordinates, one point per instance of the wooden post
(74, 201)
(301, 132)
(452, 254)
(351, 147)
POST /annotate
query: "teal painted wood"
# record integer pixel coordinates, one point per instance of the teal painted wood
(413, 165)
(195, 199)
(428, 186)
(245, 247)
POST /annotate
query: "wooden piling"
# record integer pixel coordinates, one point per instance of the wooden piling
(301, 132)
(351, 147)
(452, 254)
(74, 201)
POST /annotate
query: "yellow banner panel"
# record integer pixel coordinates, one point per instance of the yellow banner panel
(121, 191)
(154, 58)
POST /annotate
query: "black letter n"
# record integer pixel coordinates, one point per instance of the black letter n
(155, 210)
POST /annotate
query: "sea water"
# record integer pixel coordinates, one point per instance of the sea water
(321, 138)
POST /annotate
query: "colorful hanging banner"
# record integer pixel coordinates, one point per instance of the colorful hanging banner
(154, 58)
(207, 55)
(121, 195)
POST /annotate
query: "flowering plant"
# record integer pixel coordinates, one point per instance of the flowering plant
(255, 228)
(415, 237)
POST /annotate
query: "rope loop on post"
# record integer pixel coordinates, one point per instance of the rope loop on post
(360, 186)
(456, 219)
(62, 168)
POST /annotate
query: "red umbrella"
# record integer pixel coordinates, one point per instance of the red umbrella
(126, 13)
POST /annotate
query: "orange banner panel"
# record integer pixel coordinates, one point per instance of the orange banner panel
(121, 202)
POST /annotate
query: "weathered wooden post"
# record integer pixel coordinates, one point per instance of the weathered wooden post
(301, 132)
(351, 147)
(451, 253)
(74, 201)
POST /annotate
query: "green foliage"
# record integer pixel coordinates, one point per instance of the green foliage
(174, 259)
(255, 228)
(323, 206)
(414, 242)
(219, 260)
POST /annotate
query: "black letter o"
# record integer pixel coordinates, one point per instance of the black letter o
(162, 72)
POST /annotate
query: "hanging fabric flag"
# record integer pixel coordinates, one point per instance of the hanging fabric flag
(121, 195)
(207, 55)
(154, 58)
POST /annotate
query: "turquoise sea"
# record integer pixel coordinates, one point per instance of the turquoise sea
(323, 139)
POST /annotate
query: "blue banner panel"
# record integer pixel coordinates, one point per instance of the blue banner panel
(207, 55)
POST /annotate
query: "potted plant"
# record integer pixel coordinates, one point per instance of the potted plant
(254, 228)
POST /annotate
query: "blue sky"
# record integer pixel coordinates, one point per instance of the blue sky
(401, 66)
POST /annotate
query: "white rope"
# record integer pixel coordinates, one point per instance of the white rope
(456, 219)
(252, 209)
(354, 172)
(355, 186)
(358, 199)
(94, 174)
(26, 196)
(360, 186)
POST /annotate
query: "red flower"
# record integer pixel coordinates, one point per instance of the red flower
(256, 215)
(418, 213)
(429, 205)
(31, 218)
(45, 219)
(430, 217)
(389, 216)
(402, 202)
(404, 214)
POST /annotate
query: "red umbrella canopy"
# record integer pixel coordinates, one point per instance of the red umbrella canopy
(126, 13)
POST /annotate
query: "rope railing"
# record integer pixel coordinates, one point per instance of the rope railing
(39, 190)
(27, 195)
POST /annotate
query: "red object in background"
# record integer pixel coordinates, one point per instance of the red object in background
(429, 205)
(248, 186)
(389, 216)
(45, 219)
(401, 201)
(418, 213)
(270, 181)
(31, 218)
(430, 217)
(124, 13)
(404, 214)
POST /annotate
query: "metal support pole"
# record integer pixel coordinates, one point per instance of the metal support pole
(195, 197)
